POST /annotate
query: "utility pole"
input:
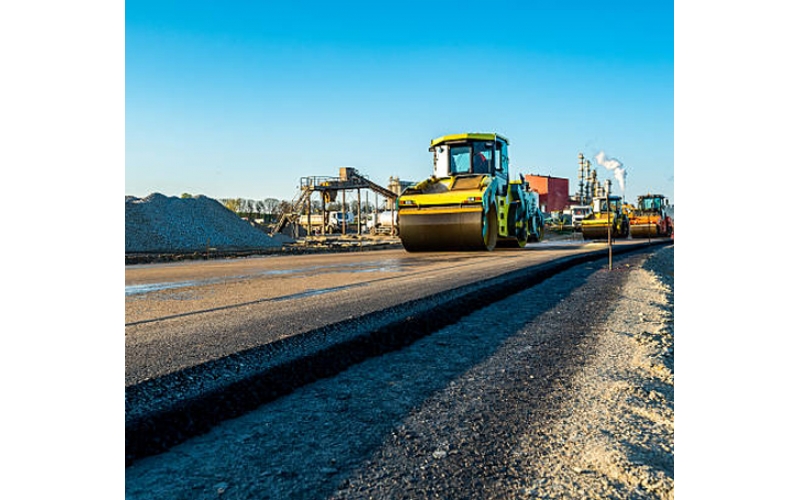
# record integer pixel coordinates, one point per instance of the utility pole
(608, 208)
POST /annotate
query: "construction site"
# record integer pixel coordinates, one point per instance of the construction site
(451, 208)
(483, 347)
(471, 201)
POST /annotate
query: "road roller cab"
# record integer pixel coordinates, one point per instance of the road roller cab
(469, 203)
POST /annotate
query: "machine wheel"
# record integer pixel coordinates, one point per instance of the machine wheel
(523, 235)
(534, 235)
(522, 227)
(539, 229)
(490, 229)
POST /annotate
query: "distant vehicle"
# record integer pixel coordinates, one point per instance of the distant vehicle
(559, 219)
(384, 224)
(579, 212)
(337, 219)
(334, 221)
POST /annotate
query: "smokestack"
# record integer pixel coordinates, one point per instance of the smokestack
(616, 166)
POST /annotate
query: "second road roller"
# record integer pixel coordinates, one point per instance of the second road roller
(606, 211)
(470, 202)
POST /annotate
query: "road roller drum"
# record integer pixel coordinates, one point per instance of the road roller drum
(433, 229)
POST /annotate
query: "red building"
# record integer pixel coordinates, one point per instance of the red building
(553, 192)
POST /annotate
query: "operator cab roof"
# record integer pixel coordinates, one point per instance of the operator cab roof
(467, 137)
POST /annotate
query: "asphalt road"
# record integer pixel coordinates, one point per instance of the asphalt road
(478, 409)
(209, 341)
(184, 314)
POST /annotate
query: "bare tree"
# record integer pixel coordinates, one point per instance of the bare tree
(247, 209)
(261, 211)
(271, 207)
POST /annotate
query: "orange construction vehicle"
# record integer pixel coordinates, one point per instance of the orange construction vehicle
(650, 217)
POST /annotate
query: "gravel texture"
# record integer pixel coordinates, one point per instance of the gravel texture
(564, 390)
(158, 223)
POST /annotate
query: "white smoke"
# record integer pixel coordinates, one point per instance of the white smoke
(616, 166)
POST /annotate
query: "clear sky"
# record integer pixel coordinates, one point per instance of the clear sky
(241, 99)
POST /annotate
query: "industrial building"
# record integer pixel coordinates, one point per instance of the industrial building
(553, 192)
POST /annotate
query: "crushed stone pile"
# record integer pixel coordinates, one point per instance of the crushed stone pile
(168, 224)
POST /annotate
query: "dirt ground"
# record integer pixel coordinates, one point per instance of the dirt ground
(568, 394)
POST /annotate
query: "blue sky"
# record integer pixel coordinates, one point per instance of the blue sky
(241, 99)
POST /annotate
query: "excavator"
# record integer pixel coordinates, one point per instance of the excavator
(469, 203)
(650, 217)
(606, 211)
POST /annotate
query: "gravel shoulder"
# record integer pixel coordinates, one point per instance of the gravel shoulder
(565, 390)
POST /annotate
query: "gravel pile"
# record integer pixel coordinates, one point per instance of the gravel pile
(159, 223)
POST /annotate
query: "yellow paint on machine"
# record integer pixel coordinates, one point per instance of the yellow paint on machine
(440, 210)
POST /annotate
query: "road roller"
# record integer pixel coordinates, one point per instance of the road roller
(650, 219)
(469, 202)
(606, 210)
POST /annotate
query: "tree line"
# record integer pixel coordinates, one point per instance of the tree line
(271, 209)
(268, 209)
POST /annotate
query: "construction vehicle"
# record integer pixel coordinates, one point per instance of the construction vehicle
(579, 212)
(333, 225)
(650, 217)
(470, 202)
(386, 223)
(339, 221)
(606, 211)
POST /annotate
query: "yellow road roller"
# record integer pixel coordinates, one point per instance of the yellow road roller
(650, 217)
(470, 202)
(606, 211)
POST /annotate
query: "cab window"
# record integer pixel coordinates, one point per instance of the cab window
(482, 157)
(460, 159)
